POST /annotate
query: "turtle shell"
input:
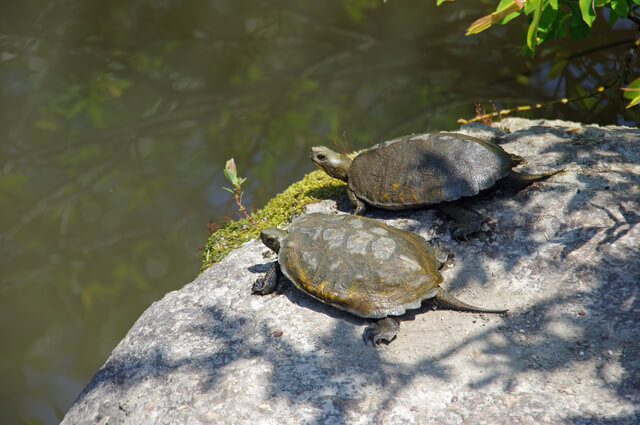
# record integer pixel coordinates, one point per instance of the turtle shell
(427, 169)
(358, 264)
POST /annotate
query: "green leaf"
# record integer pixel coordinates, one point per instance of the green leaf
(230, 172)
(532, 40)
(587, 11)
(558, 29)
(547, 21)
(613, 18)
(231, 166)
(509, 17)
(231, 177)
(530, 6)
(620, 7)
(633, 102)
(578, 29)
(503, 3)
(630, 94)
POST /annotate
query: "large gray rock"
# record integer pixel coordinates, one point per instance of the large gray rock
(562, 255)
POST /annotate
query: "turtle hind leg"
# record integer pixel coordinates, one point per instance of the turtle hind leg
(467, 221)
(382, 330)
(452, 302)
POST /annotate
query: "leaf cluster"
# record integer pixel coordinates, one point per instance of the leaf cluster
(552, 19)
(548, 18)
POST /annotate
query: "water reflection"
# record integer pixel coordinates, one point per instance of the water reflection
(118, 117)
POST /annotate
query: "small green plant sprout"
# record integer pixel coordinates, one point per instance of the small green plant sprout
(231, 173)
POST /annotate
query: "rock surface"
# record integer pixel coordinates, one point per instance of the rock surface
(562, 255)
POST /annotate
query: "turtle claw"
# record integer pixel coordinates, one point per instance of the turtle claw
(441, 251)
(464, 229)
(462, 235)
(383, 330)
(467, 221)
(371, 334)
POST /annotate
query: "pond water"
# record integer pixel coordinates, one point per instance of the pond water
(117, 119)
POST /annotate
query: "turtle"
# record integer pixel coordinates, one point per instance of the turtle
(359, 265)
(425, 169)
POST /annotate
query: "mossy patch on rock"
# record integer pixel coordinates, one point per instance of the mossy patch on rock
(313, 187)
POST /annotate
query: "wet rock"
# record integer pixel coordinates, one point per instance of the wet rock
(563, 255)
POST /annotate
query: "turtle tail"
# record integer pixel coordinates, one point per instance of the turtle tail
(448, 300)
(519, 181)
(517, 159)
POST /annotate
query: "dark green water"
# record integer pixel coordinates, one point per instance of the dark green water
(118, 116)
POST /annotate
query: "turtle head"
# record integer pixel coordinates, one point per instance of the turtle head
(333, 163)
(272, 237)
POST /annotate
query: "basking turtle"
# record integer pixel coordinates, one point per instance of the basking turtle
(425, 169)
(359, 265)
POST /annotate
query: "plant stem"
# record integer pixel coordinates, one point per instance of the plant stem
(236, 198)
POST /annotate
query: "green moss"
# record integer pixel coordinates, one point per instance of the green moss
(313, 187)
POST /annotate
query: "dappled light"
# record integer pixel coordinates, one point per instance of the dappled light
(118, 117)
(565, 352)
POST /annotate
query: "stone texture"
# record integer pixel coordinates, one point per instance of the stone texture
(562, 255)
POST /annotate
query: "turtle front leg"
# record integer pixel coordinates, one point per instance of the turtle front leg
(467, 221)
(269, 283)
(382, 330)
(360, 206)
(442, 252)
